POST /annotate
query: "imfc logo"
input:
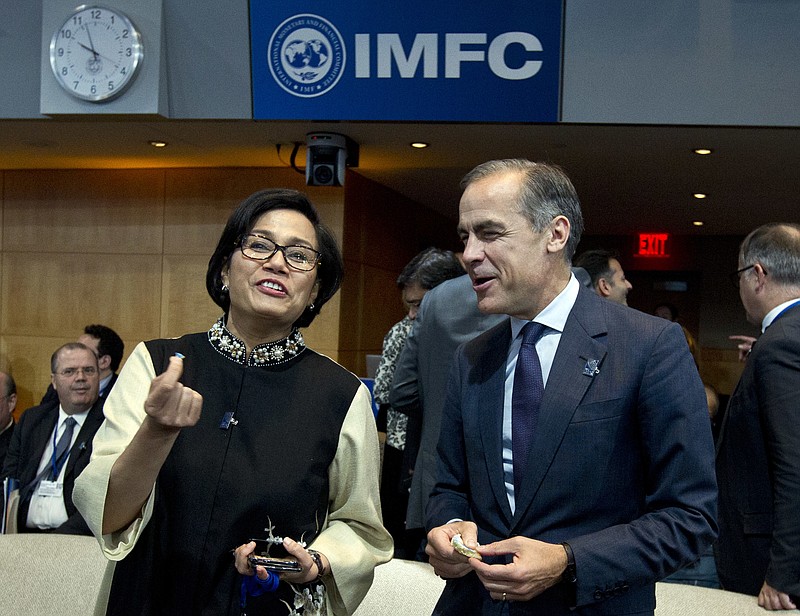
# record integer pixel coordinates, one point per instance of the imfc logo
(306, 55)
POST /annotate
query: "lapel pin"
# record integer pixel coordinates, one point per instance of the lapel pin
(591, 368)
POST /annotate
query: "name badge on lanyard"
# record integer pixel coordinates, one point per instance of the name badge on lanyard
(50, 488)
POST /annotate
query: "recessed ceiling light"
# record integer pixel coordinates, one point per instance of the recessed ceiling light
(158, 144)
(702, 151)
(699, 195)
(698, 223)
(419, 144)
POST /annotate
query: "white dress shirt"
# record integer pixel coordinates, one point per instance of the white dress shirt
(555, 317)
(48, 511)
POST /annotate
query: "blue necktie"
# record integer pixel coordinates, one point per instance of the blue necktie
(60, 454)
(527, 396)
(63, 447)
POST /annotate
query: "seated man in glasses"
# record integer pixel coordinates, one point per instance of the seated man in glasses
(52, 444)
(109, 348)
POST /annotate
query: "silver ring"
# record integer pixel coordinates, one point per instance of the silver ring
(504, 596)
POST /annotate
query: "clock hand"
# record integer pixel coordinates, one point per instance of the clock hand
(97, 54)
(89, 49)
(89, 34)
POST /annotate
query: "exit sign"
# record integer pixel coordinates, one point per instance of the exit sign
(653, 245)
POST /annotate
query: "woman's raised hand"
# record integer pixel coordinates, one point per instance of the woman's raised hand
(171, 404)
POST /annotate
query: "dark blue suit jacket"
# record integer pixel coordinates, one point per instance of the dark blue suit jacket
(621, 466)
(30, 438)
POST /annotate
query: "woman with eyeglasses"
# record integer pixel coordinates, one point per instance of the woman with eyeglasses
(240, 433)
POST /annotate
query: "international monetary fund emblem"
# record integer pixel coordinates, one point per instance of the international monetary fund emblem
(306, 55)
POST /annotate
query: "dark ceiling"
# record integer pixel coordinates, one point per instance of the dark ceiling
(629, 178)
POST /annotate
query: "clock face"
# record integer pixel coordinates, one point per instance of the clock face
(95, 54)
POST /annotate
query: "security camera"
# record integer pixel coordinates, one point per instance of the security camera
(326, 159)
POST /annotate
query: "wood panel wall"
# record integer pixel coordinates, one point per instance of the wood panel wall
(129, 248)
(125, 248)
(382, 232)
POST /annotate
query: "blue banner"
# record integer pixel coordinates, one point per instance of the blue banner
(406, 61)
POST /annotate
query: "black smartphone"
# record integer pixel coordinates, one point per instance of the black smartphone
(273, 556)
(274, 564)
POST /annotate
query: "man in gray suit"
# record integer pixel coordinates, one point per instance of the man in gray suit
(758, 453)
(448, 316)
(575, 452)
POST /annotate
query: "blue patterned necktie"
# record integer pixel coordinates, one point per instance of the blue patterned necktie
(63, 446)
(526, 398)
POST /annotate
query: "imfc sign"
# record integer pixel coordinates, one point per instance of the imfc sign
(414, 61)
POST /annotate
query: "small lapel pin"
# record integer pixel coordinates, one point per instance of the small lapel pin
(228, 421)
(591, 368)
(82, 446)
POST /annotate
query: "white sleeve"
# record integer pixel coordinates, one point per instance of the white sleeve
(124, 412)
(354, 539)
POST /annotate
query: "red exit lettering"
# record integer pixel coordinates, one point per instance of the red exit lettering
(653, 244)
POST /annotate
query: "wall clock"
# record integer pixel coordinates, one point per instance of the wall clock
(96, 53)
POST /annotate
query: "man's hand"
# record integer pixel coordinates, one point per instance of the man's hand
(536, 566)
(744, 346)
(771, 599)
(447, 563)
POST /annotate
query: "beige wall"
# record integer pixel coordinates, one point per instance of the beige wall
(125, 248)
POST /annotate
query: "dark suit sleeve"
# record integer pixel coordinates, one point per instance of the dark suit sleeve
(11, 464)
(449, 499)
(677, 520)
(777, 386)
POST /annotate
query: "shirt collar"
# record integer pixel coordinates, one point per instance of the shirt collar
(104, 382)
(78, 417)
(773, 314)
(555, 314)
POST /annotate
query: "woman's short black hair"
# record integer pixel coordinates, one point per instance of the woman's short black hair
(331, 266)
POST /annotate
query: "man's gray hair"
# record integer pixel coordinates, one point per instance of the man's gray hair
(545, 192)
(776, 246)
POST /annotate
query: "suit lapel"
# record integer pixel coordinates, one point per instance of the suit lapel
(83, 444)
(582, 347)
(37, 434)
(41, 435)
(491, 391)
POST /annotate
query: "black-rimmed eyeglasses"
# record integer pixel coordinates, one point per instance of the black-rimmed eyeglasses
(260, 248)
(736, 276)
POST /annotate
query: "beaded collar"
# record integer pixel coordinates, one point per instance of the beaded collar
(268, 354)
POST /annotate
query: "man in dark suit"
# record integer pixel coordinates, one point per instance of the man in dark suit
(46, 477)
(613, 488)
(758, 453)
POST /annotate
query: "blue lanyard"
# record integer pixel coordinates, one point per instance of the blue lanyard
(56, 466)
